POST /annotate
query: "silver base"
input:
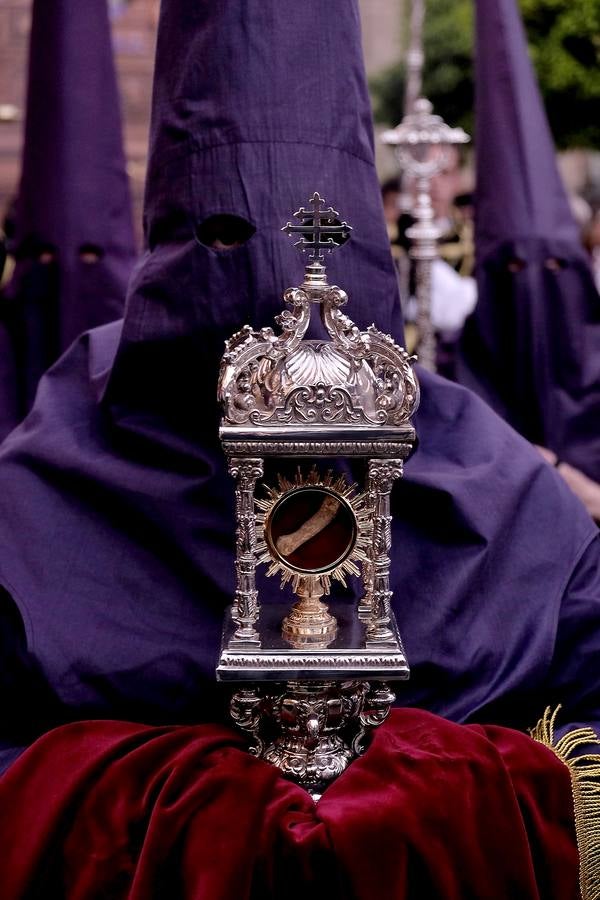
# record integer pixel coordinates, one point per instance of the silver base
(311, 730)
(347, 657)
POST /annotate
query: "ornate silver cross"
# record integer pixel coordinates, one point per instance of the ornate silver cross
(316, 224)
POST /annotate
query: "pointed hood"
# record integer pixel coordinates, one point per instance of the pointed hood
(73, 231)
(532, 346)
(117, 528)
(268, 103)
(520, 193)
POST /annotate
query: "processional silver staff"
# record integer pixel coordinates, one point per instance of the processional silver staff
(415, 56)
(421, 142)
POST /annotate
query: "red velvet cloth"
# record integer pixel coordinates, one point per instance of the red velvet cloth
(113, 810)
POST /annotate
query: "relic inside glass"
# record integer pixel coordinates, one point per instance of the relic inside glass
(311, 530)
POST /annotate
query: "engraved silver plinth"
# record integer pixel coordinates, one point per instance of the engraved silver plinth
(311, 730)
(313, 674)
(348, 655)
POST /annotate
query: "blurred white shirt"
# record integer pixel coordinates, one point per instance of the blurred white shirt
(453, 298)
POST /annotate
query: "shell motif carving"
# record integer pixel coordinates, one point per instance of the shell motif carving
(359, 378)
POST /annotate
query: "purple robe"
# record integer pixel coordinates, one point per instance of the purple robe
(531, 349)
(73, 239)
(116, 511)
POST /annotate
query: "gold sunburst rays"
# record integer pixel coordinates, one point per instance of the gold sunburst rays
(353, 502)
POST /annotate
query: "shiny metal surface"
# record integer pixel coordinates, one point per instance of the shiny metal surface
(347, 655)
(421, 143)
(311, 730)
(415, 56)
(311, 675)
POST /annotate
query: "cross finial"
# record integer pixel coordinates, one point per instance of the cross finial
(317, 229)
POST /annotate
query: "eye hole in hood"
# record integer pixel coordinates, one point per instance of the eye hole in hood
(32, 248)
(90, 254)
(224, 232)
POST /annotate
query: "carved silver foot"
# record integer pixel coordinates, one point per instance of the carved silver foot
(311, 730)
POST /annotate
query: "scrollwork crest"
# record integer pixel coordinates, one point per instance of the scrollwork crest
(319, 404)
(255, 387)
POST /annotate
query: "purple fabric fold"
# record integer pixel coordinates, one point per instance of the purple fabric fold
(116, 510)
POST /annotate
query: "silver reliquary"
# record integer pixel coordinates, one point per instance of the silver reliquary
(311, 672)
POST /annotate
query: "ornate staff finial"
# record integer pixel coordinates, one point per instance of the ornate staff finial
(318, 229)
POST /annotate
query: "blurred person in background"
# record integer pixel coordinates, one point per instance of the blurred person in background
(71, 229)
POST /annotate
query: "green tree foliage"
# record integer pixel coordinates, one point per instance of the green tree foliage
(564, 42)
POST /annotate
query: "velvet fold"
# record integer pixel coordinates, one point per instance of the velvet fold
(432, 810)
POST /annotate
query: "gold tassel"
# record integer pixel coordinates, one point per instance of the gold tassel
(585, 781)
